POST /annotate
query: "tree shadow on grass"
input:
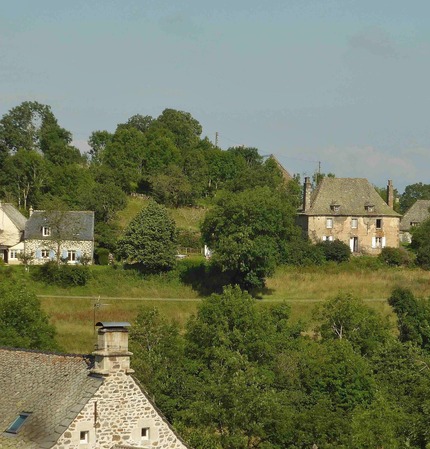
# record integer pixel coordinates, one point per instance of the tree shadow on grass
(207, 278)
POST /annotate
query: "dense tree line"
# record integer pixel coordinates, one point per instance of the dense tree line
(243, 376)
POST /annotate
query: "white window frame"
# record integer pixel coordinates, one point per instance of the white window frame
(329, 223)
(46, 231)
(71, 255)
(84, 437)
(44, 253)
(14, 253)
(327, 238)
(354, 223)
(144, 433)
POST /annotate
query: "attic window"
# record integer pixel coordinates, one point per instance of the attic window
(144, 433)
(17, 424)
(84, 437)
(335, 207)
(369, 207)
(46, 231)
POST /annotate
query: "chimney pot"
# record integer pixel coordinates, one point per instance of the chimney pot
(390, 194)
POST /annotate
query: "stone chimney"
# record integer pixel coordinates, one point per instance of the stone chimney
(112, 354)
(390, 193)
(307, 191)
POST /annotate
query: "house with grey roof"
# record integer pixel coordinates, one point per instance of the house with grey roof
(349, 210)
(64, 401)
(414, 216)
(12, 225)
(55, 235)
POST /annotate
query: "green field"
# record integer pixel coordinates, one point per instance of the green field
(123, 292)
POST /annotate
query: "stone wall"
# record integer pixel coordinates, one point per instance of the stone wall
(32, 246)
(115, 417)
(365, 231)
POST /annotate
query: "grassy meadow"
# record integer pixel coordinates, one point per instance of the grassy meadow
(122, 293)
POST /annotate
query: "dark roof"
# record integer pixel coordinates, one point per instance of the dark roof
(113, 324)
(287, 177)
(351, 194)
(68, 225)
(417, 213)
(52, 387)
(15, 215)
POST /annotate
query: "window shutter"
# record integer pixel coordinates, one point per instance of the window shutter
(330, 238)
(373, 242)
(38, 254)
(64, 254)
(383, 242)
(78, 254)
(51, 254)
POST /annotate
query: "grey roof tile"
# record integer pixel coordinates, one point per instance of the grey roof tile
(53, 387)
(69, 225)
(417, 213)
(351, 194)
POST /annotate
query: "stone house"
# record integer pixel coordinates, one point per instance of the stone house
(64, 401)
(349, 210)
(414, 216)
(12, 224)
(54, 235)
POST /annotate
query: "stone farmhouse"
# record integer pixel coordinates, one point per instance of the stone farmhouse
(350, 210)
(67, 235)
(12, 225)
(64, 401)
(414, 216)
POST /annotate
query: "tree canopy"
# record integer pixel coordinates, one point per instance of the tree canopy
(149, 239)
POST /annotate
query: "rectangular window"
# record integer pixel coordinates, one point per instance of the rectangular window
(379, 223)
(46, 231)
(414, 224)
(354, 223)
(144, 433)
(71, 256)
(17, 424)
(327, 238)
(45, 253)
(329, 223)
(84, 437)
(378, 242)
(14, 253)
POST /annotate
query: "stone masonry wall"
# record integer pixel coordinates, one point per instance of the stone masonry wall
(366, 230)
(115, 416)
(85, 247)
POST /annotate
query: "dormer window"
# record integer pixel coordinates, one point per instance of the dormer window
(335, 207)
(369, 207)
(46, 231)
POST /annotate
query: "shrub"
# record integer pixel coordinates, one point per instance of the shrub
(302, 253)
(395, 257)
(335, 251)
(102, 256)
(423, 257)
(62, 275)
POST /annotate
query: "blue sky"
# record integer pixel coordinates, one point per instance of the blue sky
(340, 82)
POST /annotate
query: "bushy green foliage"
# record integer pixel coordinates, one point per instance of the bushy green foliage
(102, 256)
(347, 318)
(62, 275)
(247, 232)
(22, 322)
(413, 317)
(300, 252)
(150, 240)
(335, 251)
(395, 257)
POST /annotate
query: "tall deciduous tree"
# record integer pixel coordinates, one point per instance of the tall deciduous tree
(247, 231)
(150, 239)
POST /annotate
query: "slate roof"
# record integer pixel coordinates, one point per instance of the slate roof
(417, 213)
(285, 174)
(53, 387)
(15, 215)
(351, 194)
(75, 225)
